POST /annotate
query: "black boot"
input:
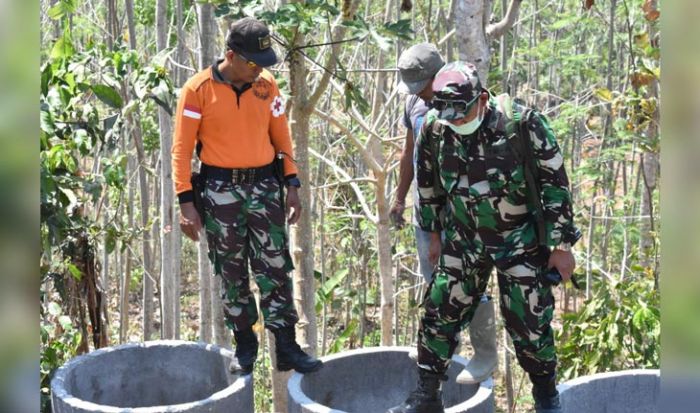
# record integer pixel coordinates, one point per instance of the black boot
(289, 354)
(426, 398)
(246, 351)
(544, 391)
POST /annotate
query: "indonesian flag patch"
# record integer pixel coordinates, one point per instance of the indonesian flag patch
(192, 112)
(277, 106)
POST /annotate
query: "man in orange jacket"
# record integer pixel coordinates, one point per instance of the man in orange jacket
(233, 113)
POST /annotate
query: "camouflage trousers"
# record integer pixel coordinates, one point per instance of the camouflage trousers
(245, 226)
(461, 279)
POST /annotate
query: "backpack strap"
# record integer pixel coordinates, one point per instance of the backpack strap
(437, 130)
(523, 145)
(517, 121)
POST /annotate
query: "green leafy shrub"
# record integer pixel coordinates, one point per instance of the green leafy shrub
(618, 328)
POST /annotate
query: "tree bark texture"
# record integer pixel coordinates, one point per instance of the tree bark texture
(168, 280)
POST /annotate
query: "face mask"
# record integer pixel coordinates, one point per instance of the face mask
(469, 127)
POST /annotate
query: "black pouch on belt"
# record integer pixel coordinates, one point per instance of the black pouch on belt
(198, 184)
(279, 174)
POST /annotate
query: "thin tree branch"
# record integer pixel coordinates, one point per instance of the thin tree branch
(338, 32)
(366, 156)
(356, 188)
(497, 30)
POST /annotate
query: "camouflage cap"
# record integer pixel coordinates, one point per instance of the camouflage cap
(456, 81)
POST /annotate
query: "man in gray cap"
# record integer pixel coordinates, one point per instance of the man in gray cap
(417, 67)
(233, 114)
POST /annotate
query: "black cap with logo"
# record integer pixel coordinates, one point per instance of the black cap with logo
(251, 38)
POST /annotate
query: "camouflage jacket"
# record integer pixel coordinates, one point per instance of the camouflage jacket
(484, 185)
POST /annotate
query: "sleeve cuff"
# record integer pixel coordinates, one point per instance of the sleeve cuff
(570, 236)
(432, 226)
(185, 197)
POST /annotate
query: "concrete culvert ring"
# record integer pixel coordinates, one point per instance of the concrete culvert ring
(371, 380)
(156, 376)
(628, 391)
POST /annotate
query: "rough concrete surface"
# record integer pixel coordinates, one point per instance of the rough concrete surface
(156, 376)
(371, 380)
(629, 391)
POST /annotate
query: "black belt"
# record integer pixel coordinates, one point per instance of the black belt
(238, 176)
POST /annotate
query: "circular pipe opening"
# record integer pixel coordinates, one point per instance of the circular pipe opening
(156, 376)
(628, 391)
(374, 379)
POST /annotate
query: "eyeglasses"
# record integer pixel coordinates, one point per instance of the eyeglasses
(251, 64)
(458, 106)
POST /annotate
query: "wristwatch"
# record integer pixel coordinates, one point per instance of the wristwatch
(294, 182)
(563, 246)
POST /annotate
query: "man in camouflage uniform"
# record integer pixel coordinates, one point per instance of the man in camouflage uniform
(468, 170)
(418, 66)
(232, 112)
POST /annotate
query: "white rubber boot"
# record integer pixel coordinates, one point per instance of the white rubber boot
(482, 332)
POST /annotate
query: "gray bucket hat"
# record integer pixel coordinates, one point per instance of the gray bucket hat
(417, 66)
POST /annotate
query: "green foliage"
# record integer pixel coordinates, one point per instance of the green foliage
(303, 18)
(328, 292)
(84, 101)
(62, 9)
(236, 9)
(145, 12)
(618, 328)
(59, 343)
(340, 343)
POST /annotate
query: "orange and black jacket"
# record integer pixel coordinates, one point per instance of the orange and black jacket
(237, 128)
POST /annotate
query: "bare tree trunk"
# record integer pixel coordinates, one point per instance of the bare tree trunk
(322, 237)
(144, 197)
(126, 276)
(104, 275)
(383, 227)
(474, 33)
(222, 335)
(207, 34)
(111, 24)
(207, 294)
(279, 380)
(168, 278)
(303, 103)
(508, 377)
(471, 38)
(302, 233)
(205, 284)
(385, 262)
(156, 249)
(650, 171)
(148, 281)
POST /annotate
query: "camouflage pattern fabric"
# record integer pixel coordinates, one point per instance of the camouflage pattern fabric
(456, 81)
(245, 224)
(460, 281)
(485, 188)
(489, 223)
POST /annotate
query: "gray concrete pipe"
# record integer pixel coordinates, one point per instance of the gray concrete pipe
(370, 380)
(156, 376)
(627, 391)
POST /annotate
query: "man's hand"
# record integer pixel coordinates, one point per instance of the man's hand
(293, 205)
(396, 213)
(564, 262)
(434, 249)
(189, 221)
